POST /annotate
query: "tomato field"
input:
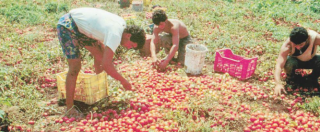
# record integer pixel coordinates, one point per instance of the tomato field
(31, 56)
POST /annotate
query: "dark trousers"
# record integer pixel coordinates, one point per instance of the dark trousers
(293, 63)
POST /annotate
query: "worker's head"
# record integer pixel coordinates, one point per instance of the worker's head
(159, 17)
(298, 37)
(134, 37)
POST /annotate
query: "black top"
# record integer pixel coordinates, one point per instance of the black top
(303, 49)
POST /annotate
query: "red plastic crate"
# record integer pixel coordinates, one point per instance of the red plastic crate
(237, 66)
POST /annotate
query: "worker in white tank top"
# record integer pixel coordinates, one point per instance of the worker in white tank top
(101, 33)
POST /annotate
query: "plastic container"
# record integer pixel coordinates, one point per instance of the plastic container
(90, 88)
(237, 66)
(137, 5)
(194, 59)
(124, 3)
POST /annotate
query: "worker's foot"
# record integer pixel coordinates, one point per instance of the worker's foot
(73, 112)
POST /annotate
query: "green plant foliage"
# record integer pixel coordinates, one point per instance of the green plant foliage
(30, 13)
(313, 105)
(315, 7)
(2, 114)
(63, 7)
(249, 27)
(6, 80)
(54, 7)
(5, 101)
(51, 7)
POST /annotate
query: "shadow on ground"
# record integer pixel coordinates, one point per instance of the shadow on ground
(102, 105)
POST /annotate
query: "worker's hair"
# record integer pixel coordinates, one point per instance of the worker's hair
(137, 35)
(298, 35)
(159, 16)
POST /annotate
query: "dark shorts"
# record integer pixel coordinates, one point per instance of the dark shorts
(166, 43)
(293, 63)
(71, 40)
(302, 83)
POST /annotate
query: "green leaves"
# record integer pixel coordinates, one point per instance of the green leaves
(30, 13)
(5, 101)
(313, 105)
(22, 13)
(2, 114)
(51, 7)
(54, 7)
(315, 7)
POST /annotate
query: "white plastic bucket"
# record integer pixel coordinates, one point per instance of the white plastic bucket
(194, 59)
(137, 5)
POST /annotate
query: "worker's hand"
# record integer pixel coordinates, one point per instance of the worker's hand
(155, 61)
(163, 64)
(126, 85)
(278, 89)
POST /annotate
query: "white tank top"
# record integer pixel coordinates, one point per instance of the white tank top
(99, 24)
